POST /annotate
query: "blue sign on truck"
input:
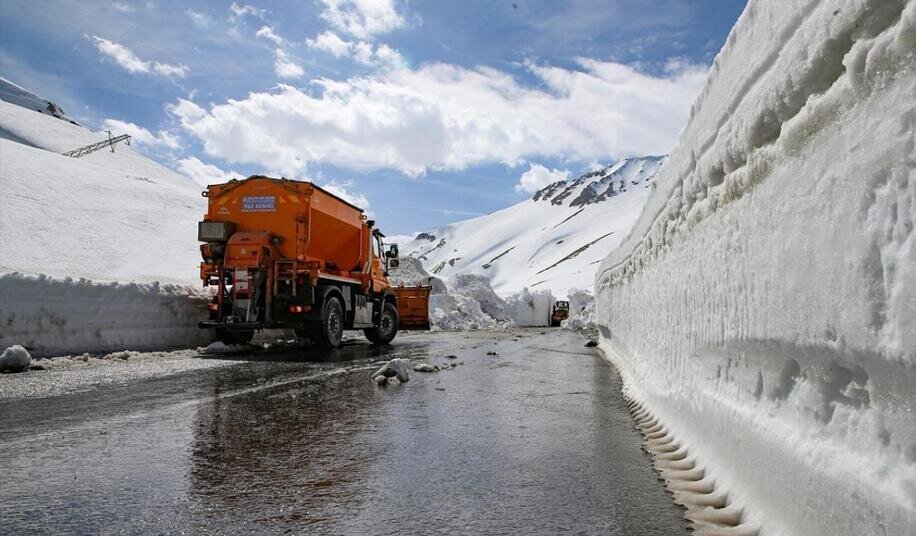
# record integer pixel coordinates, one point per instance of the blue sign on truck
(259, 203)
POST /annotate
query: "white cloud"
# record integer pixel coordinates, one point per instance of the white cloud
(441, 116)
(268, 32)
(285, 67)
(241, 10)
(122, 7)
(186, 110)
(204, 174)
(331, 43)
(126, 58)
(363, 52)
(379, 56)
(538, 177)
(388, 57)
(178, 71)
(362, 18)
(141, 135)
(343, 190)
(200, 19)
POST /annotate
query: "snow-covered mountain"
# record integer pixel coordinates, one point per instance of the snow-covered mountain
(108, 228)
(106, 216)
(554, 240)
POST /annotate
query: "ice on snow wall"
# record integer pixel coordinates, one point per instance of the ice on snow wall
(764, 305)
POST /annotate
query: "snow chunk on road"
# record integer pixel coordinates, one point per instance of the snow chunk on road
(395, 368)
(15, 359)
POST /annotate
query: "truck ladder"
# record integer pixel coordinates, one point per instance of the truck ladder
(284, 271)
(93, 147)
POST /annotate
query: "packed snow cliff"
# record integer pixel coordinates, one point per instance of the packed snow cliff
(763, 308)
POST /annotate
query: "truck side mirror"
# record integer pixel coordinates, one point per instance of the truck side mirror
(392, 252)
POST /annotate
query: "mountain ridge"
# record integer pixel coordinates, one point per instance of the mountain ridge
(553, 240)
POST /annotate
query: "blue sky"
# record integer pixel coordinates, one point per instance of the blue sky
(427, 111)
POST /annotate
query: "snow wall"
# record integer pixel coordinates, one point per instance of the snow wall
(581, 310)
(764, 305)
(465, 302)
(65, 316)
(528, 308)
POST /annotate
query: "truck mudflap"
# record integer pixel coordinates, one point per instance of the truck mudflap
(413, 307)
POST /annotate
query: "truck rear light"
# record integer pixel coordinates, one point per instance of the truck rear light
(294, 309)
(214, 307)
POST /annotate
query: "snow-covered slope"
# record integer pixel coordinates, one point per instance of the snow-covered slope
(554, 240)
(14, 94)
(764, 306)
(119, 220)
(106, 216)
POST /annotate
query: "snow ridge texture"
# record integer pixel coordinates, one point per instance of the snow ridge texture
(763, 307)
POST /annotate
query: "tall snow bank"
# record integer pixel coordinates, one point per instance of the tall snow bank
(581, 310)
(55, 316)
(469, 303)
(477, 288)
(410, 272)
(465, 302)
(457, 312)
(528, 308)
(764, 305)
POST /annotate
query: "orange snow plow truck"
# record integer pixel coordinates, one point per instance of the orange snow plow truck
(287, 254)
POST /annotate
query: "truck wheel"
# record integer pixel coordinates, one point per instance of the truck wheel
(330, 327)
(387, 328)
(234, 337)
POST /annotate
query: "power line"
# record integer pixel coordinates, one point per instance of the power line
(93, 147)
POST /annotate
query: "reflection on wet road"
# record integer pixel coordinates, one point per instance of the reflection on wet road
(534, 440)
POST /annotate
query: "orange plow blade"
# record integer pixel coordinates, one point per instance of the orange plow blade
(413, 307)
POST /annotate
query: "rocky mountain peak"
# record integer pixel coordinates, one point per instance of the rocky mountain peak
(599, 185)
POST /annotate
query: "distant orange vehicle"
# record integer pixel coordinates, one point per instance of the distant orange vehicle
(288, 254)
(560, 313)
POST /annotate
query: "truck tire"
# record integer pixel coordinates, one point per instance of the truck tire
(330, 326)
(387, 328)
(227, 337)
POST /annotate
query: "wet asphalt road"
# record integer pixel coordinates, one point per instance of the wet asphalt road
(534, 440)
